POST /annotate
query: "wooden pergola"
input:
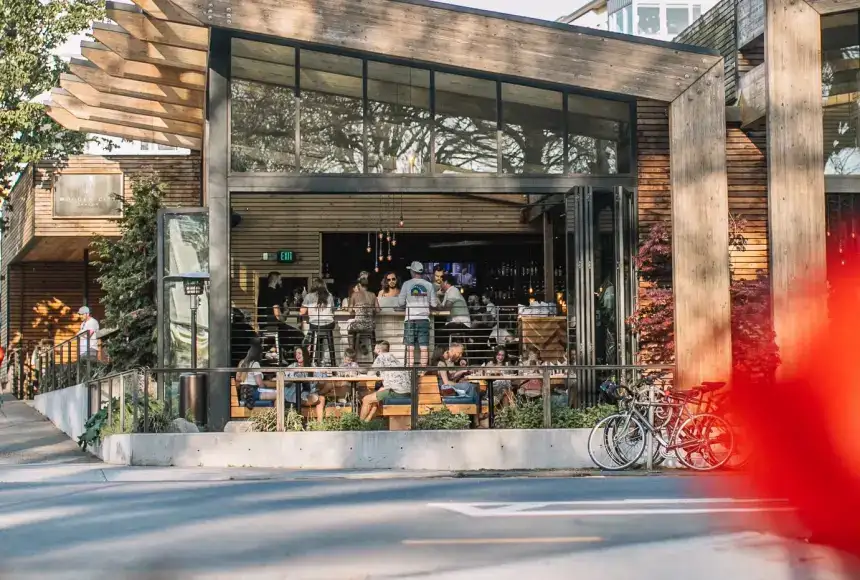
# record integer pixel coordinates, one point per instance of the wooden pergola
(159, 75)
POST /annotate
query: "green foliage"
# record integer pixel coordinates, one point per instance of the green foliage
(93, 429)
(157, 419)
(347, 422)
(127, 269)
(30, 31)
(442, 419)
(266, 420)
(528, 414)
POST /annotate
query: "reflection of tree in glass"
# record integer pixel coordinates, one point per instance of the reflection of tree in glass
(465, 144)
(262, 127)
(532, 149)
(331, 134)
(397, 134)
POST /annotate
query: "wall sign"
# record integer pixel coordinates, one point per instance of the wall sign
(78, 195)
(750, 21)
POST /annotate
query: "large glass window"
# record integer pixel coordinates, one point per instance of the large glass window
(617, 21)
(677, 19)
(628, 18)
(649, 19)
(398, 108)
(263, 107)
(840, 66)
(532, 130)
(332, 113)
(697, 11)
(466, 129)
(597, 135)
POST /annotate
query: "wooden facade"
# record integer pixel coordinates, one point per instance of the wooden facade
(45, 276)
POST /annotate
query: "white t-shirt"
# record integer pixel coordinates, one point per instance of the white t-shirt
(89, 326)
(418, 296)
(251, 377)
(319, 314)
(459, 309)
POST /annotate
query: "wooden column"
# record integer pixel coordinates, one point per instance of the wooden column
(795, 171)
(218, 201)
(700, 231)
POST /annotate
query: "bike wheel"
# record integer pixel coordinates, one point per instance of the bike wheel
(704, 442)
(616, 442)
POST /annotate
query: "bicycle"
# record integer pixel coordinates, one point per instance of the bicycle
(700, 441)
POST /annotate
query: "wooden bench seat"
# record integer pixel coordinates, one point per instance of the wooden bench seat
(429, 399)
(238, 411)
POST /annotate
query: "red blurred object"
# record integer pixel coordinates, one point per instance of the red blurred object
(804, 427)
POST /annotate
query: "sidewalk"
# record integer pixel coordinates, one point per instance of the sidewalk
(27, 438)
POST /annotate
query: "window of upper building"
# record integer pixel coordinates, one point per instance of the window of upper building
(648, 17)
(840, 63)
(677, 18)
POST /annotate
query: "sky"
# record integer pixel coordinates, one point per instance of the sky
(544, 9)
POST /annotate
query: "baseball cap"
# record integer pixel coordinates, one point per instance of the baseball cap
(416, 267)
(84, 310)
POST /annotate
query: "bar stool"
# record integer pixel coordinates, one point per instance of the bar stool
(316, 335)
(355, 340)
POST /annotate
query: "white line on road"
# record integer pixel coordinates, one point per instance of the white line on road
(623, 507)
(481, 541)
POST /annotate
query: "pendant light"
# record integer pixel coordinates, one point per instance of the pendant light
(369, 249)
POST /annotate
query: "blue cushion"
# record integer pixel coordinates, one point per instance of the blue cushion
(456, 400)
(398, 401)
(258, 404)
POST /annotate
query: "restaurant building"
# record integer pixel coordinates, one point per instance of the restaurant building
(530, 154)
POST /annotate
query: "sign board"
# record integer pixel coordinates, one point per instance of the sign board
(79, 195)
(750, 16)
(286, 256)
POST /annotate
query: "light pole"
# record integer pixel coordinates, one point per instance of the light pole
(192, 387)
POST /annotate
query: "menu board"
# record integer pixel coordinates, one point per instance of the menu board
(79, 195)
(750, 21)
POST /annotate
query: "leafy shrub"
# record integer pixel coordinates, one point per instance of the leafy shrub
(157, 419)
(347, 422)
(528, 414)
(442, 419)
(265, 420)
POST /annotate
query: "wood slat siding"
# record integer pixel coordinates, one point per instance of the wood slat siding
(53, 292)
(652, 158)
(700, 236)
(273, 221)
(717, 30)
(795, 179)
(180, 174)
(19, 220)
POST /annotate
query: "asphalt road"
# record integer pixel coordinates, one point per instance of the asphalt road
(613, 527)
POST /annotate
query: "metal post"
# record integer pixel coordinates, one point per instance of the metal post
(122, 403)
(134, 401)
(110, 400)
(69, 363)
(145, 402)
(78, 361)
(649, 437)
(413, 411)
(547, 400)
(194, 304)
(89, 368)
(280, 404)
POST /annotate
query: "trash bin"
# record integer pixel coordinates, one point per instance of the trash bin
(192, 397)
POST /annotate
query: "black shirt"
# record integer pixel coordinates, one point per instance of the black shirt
(269, 298)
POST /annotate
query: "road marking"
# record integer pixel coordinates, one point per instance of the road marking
(489, 541)
(623, 507)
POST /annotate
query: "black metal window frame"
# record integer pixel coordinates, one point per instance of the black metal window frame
(564, 92)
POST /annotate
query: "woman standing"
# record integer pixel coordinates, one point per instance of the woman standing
(318, 306)
(390, 286)
(364, 306)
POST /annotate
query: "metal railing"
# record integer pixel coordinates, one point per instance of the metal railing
(68, 363)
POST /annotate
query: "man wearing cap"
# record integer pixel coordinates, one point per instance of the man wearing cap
(89, 328)
(418, 296)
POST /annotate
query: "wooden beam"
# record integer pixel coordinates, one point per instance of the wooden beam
(166, 10)
(95, 98)
(752, 95)
(130, 48)
(700, 231)
(834, 6)
(116, 66)
(796, 208)
(98, 79)
(144, 27)
(69, 121)
(470, 39)
(81, 110)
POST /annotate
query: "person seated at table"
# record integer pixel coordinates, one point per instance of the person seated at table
(309, 394)
(500, 364)
(340, 390)
(531, 387)
(394, 383)
(250, 378)
(451, 382)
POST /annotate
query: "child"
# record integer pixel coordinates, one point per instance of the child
(341, 390)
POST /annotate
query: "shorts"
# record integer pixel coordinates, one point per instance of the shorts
(383, 394)
(416, 332)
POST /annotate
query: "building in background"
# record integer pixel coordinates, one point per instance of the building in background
(656, 19)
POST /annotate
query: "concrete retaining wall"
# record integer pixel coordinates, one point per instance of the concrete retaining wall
(429, 450)
(66, 408)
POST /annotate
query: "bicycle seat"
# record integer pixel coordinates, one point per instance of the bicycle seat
(711, 386)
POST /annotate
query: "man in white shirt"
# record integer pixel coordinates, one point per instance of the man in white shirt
(89, 329)
(418, 296)
(459, 320)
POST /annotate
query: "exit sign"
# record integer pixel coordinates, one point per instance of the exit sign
(282, 256)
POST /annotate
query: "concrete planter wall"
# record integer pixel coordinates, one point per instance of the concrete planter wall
(66, 408)
(431, 450)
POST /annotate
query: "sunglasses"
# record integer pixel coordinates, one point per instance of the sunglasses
(391, 279)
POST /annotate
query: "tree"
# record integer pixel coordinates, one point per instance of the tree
(127, 269)
(30, 31)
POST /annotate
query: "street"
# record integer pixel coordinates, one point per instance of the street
(605, 527)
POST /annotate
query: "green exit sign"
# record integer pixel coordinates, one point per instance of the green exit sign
(286, 256)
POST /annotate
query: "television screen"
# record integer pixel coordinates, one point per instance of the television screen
(464, 272)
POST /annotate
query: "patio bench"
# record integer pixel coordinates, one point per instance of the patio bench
(399, 409)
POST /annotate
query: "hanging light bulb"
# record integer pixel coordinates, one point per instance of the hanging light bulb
(394, 239)
(380, 234)
(376, 269)
(387, 236)
(389, 257)
(369, 249)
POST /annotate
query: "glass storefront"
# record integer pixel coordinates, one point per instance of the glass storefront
(840, 65)
(342, 115)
